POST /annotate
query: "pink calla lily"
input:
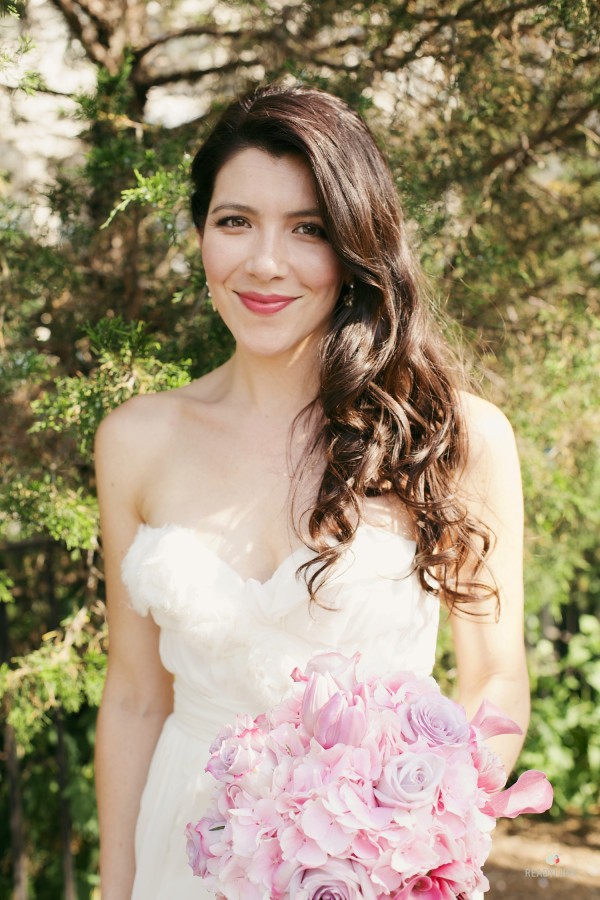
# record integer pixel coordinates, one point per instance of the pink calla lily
(490, 720)
(531, 793)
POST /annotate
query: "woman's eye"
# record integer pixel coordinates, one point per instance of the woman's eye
(311, 229)
(232, 222)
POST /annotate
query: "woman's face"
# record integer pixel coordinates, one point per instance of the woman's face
(273, 276)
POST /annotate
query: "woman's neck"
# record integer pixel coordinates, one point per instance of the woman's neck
(273, 387)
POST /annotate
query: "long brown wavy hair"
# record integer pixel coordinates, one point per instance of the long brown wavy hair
(389, 418)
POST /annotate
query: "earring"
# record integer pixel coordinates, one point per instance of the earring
(349, 295)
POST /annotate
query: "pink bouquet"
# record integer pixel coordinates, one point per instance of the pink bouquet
(378, 788)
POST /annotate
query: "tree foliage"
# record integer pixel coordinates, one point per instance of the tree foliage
(489, 112)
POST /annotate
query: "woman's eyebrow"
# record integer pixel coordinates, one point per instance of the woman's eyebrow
(241, 207)
(304, 212)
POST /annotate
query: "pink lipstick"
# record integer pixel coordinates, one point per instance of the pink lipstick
(265, 304)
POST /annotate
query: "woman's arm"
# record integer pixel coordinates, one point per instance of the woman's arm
(490, 653)
(138, 691)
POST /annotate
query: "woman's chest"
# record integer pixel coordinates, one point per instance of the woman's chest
(245, 497)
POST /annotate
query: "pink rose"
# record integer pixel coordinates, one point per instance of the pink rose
(346, 790)
(437, 719)
(243, 722)
(201, 837)
(422, 887)
(232, 797)
(410, 781)
(338, 879)
(236, 756)
(459, 875)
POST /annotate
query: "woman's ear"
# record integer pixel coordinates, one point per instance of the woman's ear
(200, 233)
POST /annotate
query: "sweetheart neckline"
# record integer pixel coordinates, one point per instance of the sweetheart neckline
(144, 527)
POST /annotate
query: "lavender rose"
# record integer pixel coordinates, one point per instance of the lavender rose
(410, 781)
(338, 879)
(437, 719)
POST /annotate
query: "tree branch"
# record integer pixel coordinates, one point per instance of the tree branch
(464, 13)
(394, 63)
(39, 89)
(192, 31)
(543, 136)
(96, 17)
(586, 57)
(194, 75)
(85, 32)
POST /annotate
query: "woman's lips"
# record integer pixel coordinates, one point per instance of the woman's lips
(265, 304)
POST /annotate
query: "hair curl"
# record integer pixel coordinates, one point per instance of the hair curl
(389, 417)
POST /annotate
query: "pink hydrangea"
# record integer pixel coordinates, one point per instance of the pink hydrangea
(354, 788)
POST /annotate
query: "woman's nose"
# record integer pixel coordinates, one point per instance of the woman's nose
(267, 258)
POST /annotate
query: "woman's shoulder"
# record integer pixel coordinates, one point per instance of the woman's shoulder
(484, 421)
(158, 417)
(137, 418)
(491, 447)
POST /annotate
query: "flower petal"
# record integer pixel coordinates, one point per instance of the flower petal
(531, 793)
(490, 720)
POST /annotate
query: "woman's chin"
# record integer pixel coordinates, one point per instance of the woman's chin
(275, 347)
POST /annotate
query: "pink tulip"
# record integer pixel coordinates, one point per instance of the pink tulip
(342, 720)
(319, 690)
(341, 668)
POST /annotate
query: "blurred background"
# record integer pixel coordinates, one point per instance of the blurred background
(489, 114)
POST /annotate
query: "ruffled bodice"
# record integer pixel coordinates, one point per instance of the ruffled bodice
(237, 640)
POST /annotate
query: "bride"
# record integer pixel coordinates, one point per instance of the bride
(329, 487)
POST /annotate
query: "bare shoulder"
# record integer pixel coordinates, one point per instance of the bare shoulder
(132, 439)
(490, 435)
(492, 464)
(130, 424)
(157, 415)
(484, 420)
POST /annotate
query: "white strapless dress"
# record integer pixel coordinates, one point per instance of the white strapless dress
(232, 643)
